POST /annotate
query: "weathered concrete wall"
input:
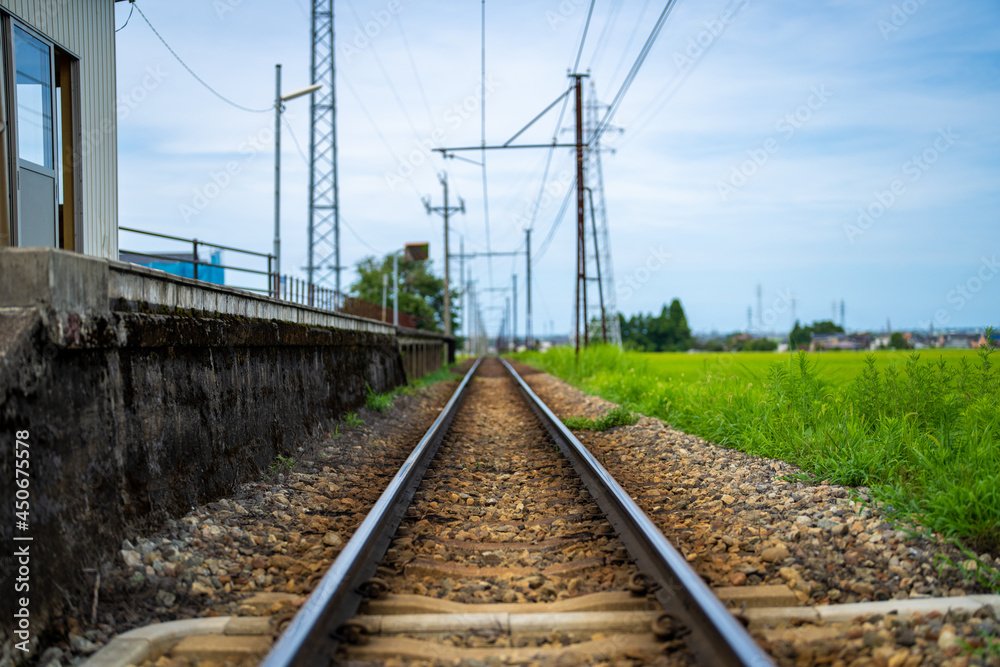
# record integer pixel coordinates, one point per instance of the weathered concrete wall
(134, 417)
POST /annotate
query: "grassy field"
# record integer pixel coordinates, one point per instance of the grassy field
(922, 430)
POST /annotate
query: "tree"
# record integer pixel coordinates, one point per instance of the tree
(666, 332)
(826, 327)
(800, 336)
(898, 342)
(421, 293)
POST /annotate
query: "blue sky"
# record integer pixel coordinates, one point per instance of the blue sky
(840, 150)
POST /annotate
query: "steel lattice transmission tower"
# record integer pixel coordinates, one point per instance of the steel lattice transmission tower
(602, 255)
(324, 205)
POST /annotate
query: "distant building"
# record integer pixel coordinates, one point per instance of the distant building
(180, 264)
(959, 340)
(58, 164)
(840, 341)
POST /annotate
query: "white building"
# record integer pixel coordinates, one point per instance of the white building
(58, 168)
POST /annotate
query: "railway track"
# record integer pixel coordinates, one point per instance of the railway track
(488, 545)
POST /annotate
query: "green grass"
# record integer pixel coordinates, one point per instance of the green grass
(617, 416)
(352, 420)
(383, 402)
(379, 402)
(920, 429)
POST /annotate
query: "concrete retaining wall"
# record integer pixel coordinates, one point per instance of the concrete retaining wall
(135, 416)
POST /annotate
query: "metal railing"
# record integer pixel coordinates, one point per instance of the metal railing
(282, 287)
(195, 262)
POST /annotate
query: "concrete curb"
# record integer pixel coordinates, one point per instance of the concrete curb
(135, 646)
(840, 613)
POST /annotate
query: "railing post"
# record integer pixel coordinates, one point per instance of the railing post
(270, 275)
(195, 263)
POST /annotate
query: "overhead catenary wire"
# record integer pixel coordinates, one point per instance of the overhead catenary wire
(673, 84)
(371, 120)
(191, 71)
(416, 73)
(385, 74)
(633, 72)
(295, 140)
(602, 39)
(628, 46)
(358, 236)
(583, 39)
(555, 223)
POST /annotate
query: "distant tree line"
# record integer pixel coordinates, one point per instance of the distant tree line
(801, 336)
(666, 332)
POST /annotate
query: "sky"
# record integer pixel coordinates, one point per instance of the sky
(822, 152)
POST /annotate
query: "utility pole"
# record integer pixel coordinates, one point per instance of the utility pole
(581, 258)
(527, 263)
(444, 211)
(385, 288)
(395, 289)
(461, 281)
(506, 325)
(277, 175)
(513, 329)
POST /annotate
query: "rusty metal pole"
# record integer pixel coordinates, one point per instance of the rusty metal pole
(447, 262)
(581, 261)
(527, 266)
(597, 262)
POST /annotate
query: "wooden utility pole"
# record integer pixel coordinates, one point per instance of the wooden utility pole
(444, 211)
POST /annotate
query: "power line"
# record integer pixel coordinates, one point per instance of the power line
(673, 85)
(371, 120)
(191, 72)
(385, 74)
(583, 40)
(295, 140)
(628, 45)
(416, 74)
(636, 66)
(358, 237)
(555, 223)
(602, 39)
(129, 18)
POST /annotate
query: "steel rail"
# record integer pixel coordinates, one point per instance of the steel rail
(310, 638)
(717, 637)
